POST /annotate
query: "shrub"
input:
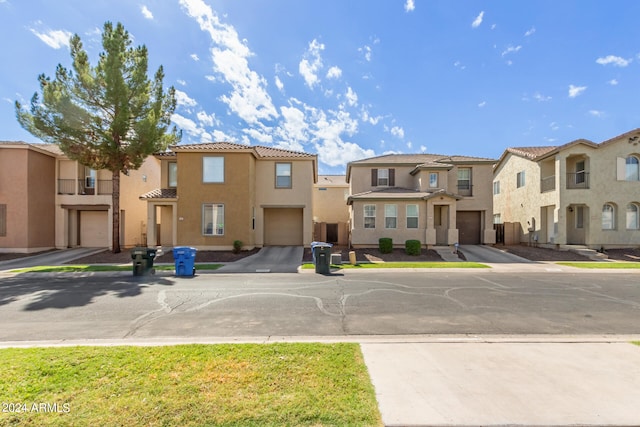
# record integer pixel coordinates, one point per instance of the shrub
(237, 246)
(413, 247)
(385, 244)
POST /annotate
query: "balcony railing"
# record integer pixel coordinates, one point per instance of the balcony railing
(72, 186)
(577, 180)
(548, 184)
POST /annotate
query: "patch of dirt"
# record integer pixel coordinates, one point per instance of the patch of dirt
(107, 257)
(629, 254)
(374, 255)
(533, 253)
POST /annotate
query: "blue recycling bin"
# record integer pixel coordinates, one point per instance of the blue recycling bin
(185, 260)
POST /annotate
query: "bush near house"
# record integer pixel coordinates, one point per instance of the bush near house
(385, 244)
(413, 247)
(237, 246)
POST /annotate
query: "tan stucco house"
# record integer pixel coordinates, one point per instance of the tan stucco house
(579, 193)
(438, 200)
(330, 210)
(212, 194)
(27, 198)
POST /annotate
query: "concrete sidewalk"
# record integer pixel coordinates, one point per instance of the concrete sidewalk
(506, 383)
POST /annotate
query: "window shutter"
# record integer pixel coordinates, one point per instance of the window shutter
(622, 169)
(392, 177)
(374, 177)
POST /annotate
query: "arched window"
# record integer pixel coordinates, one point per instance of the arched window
(608, 217)
(632, 172)
(633, 222)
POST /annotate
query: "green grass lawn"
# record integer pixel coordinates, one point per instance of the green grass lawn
(417, 264)
(105, 267)
(190, 385)
(601, 264)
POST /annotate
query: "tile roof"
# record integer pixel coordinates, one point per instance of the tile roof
(161, 193)
(532, 152)
(399, 193)
(259, 150)
(417, 159)
(330, 180)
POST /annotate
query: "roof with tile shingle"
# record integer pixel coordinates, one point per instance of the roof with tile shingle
(259, 150)
(161, 193)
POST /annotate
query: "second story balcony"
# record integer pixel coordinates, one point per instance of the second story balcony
(85, 187)
(578, 180)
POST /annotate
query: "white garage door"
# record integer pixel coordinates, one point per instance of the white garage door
(283, 227)
(94, 229)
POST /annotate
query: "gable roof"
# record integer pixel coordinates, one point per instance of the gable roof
(259, 151)
(399, 193)
(42, 148)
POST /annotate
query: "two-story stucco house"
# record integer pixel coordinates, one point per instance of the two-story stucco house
(438, 200)
(330, 210)
(579, 193)
(212, 194)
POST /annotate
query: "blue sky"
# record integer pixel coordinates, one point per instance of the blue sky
(358, 78)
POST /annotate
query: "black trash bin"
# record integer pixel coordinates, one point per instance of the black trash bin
(322, 257)
(142, 259)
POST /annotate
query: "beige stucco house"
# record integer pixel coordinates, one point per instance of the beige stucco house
(579, 193)
(27, 198)
(212, 194)
(330, 210)
(438, 200)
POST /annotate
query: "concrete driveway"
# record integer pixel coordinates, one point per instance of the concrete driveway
(49, 258)
(488, 254)
(270, 259)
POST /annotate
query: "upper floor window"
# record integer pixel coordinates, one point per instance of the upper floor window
(464, 181)
(283, 175)
(496, 187)
(412, 216)
(213, 169)
(433, 180)
(173, 174)
(520, 181)
(580, 172)
(369, 216)
(213, 219)
(497, 219)
(632, 169)
(383, 177)
(90, 176)
(390, 216)
(633, 221)
(608, 217)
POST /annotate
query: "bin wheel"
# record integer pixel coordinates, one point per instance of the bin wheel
(194, 271)
(153, 271)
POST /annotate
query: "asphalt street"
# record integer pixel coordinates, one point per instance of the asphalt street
(120, 306)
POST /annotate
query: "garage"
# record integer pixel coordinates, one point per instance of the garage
(94, 229)
(469, 225)
(283, 226)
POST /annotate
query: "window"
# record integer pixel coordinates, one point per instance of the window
(497, 219)
(632, 217)
(173, 174)
(496, 187)
(383, 177)
(433, 180)
(464, 178)
(632, 171)
(213, 219)
(390, 216)
(579, 216)
(283, 175)
(608, 217)
(520, 179)
(213, 169)
(412, 216)
(580, 172)
(369, 216)
(3, 220)
(90, 176)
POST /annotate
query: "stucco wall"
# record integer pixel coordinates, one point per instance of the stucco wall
(330, 202)
(41, 200)
(13, 187)
(368, 237)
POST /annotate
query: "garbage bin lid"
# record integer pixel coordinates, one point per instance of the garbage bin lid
(321, 245)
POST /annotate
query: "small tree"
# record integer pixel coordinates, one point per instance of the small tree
(110, 116)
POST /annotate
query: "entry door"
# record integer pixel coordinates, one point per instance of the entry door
(332, 233)
(441, 223)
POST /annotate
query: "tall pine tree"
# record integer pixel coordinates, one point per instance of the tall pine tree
(111, 116)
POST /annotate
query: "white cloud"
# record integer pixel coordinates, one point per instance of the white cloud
(294, 129)
(409, 6)
(207, 119)
(596, 113)
(613, 82)
(541, 98)
(476, 22)
(334, 73)
(279, 84)
(615, 60)
(409, 145)
(511, 49)
(397, 131)
(260, 136)
(423, 149)
(482, 104)
(459, 65)
(576, 90)
(366, 50)
(146, 12)
(554, 126)
(195, 57)
(54, 38)
(367, 118)
(220, 136)
(530, 32)
(352, 97)
(312, 63)
(181, 82)
(184, 100)
(190, 127)
(249, 98)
